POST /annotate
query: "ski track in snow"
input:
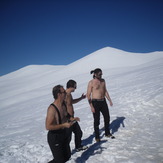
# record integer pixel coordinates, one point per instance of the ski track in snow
(136, 122)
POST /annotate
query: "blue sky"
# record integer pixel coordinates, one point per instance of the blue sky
(59, 32)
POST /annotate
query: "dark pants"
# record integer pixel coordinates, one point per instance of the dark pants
(77, 134)
(59, 145)
(101, 106)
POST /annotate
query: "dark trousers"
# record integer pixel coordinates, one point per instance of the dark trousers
(101, 106)
(59, 145)
(77, 134)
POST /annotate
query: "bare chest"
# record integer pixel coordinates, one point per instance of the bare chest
(98, 85)
(61, 115)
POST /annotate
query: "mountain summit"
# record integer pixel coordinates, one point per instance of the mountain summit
(111, 58)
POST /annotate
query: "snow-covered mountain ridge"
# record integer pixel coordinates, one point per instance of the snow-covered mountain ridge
(32, 77)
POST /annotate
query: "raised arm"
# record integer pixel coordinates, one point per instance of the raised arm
(74, 101)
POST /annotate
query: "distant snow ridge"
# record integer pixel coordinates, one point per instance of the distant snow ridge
(112, 58)
(104, 58)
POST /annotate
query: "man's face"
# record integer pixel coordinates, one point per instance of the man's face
(74, 88)
(63, 93)
(98, 75)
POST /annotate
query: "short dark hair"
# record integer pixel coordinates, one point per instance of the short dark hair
(71, 84)
(56, 90)
(97, 70)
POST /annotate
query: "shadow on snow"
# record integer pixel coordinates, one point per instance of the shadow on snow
(92, 150)
(96, 147)
(115, 124)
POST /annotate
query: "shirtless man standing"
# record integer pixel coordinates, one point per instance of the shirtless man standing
(96, 93)
(58, 122)
(70, 87)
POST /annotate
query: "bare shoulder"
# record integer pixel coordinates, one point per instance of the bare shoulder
(68, 96)
(51, 110)
(91, 82)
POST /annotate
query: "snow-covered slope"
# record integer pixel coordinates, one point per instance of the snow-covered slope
(134, 81)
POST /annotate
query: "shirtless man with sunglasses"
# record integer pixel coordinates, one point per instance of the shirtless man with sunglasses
(96, 95)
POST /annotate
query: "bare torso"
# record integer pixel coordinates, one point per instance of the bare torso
(97, 88)
(70, 108)
(63, 114)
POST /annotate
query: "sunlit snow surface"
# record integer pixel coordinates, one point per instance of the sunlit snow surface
(135, 84)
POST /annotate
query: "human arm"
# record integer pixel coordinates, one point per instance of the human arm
(108, 96)
(89, 91)
(74, 101)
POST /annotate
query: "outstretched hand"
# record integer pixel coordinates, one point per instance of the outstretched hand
(83, 96)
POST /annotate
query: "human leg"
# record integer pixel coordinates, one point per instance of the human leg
(105, 112)
(66, 149)
(55, 142)
(96, 117)
(77, 135)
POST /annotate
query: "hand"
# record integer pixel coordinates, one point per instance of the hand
(83, 96)
(93, 109)
(111, 104)
(67, 125)
(72, 122)
(77, 119)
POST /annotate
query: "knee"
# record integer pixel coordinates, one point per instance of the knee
(107, 121)
(96, 123)
(81, 133)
